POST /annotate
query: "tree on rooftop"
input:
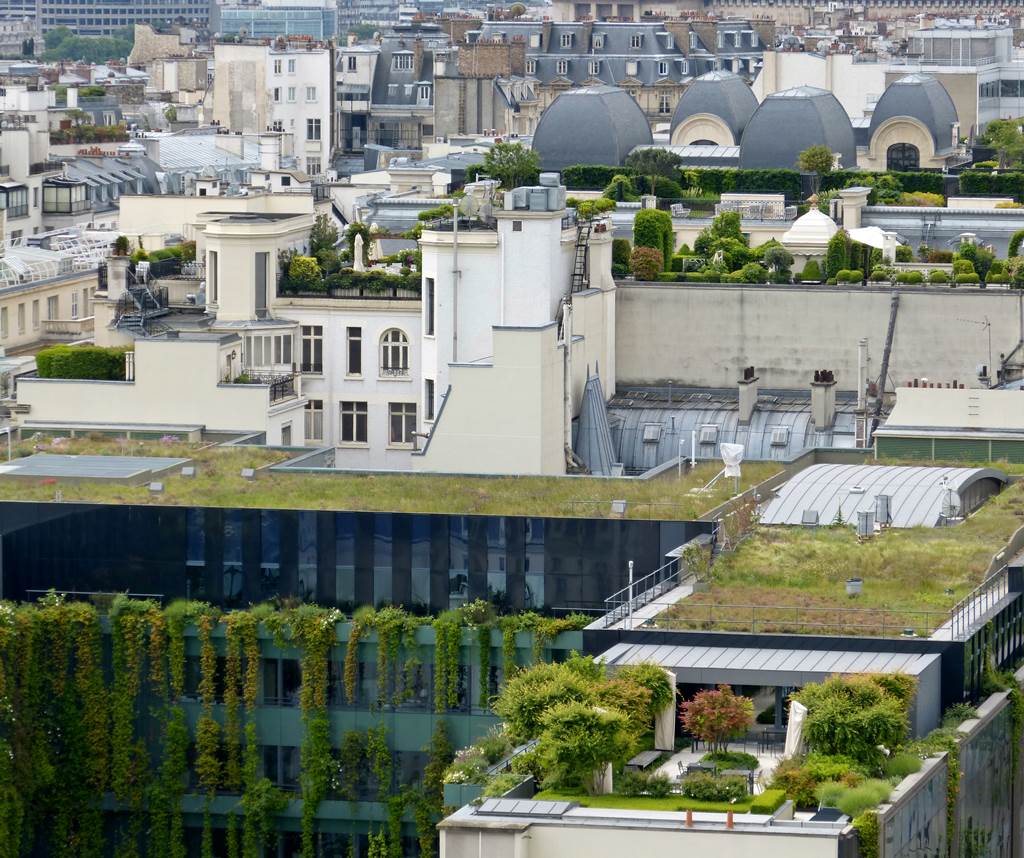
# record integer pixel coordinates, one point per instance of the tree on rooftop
(816, 159)
(653, 228)
(837, 255)
(1004, 135)
(717, 715)
(578, 739)
(512, 164)
(655, 163)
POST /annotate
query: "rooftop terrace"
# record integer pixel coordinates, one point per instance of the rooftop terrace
(218, 482)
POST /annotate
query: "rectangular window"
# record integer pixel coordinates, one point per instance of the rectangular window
(312, 348)
(351, 64)
(3, 323)
(74, 307)
(312, 129)
(663, 69)
(424, 93)
(402, 422)
(354, 338)
(594, 67)
(310, 93)
(353, 422)
(664, 104)
(566, 40)
(401, 62)
(315, 420)
(35, 315)
(291, 94)
(85, 302)
(277, 95)
(531, 67)
(598, 40)
(53, 307)
(562, 67)
(291, 66)
(277, 67)
(313, 166)
(428, 318)
(636, 40)
(21, 318)
(428, 399)
(212, 275)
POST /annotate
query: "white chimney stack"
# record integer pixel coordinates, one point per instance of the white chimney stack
(270, 151)
(748, 394)
(823, 399)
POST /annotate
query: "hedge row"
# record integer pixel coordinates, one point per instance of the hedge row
(999, 185)
(347, 278)
(92, 362)
(723, 181)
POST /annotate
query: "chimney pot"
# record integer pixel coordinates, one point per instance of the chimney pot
(823, 399)
(748, 395)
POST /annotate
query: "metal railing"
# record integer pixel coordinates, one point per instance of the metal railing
(394, 371)
(282, 385)
(444, 224)
(641, 592)
(975, 608)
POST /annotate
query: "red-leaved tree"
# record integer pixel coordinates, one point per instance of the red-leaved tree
(717, 715)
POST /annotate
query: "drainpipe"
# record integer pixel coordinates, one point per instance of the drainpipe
(567, 392)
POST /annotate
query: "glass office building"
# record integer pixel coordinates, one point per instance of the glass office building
(268, 22)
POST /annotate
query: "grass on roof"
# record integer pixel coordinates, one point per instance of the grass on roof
(793, 579)
(218, 483)
(626, 802)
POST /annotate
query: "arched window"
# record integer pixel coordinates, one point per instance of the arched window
(902, 157)
(394, 352)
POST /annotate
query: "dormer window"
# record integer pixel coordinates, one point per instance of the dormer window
(594, 67)
(636, 40)
(424, 93)
(670, 42)
(631, 68)
(531, 67)
(598, 41)
(693, 41)
(534, 40)
(401, 62)
(662, 69)
(562, 67)
(566, 41)
(721, 40)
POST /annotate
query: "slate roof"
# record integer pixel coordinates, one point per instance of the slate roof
(397, 88)
(722, 94)
(789, 121)
(924, 98)
(591, 125)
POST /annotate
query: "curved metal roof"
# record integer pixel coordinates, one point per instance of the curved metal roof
(591, 125)
(917, 494)
(923, 98)
(788, 122)
(722, 94)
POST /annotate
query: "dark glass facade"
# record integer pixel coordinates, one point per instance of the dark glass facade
(234, 557)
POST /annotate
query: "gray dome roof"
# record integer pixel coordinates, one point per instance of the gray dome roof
(591, 125)
(788, 122)
(923, 98)
(722, 94)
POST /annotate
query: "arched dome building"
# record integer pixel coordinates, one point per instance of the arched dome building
(714, 109)
(790, 121)
(591, 125)
(914, 125)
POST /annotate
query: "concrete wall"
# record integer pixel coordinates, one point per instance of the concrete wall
(913, 821)
(703, 335)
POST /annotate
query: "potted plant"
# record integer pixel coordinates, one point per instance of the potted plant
(121, 245)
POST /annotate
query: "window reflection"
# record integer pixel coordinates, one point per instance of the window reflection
(307, 556)
(458, 569)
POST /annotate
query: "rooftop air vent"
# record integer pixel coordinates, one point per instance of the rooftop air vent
(780, 436)
(708, 435)
(652, 433)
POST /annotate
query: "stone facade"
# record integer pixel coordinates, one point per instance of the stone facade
(150, 44)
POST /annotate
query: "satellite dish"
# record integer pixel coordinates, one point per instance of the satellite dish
(469, 206)
(516, 10)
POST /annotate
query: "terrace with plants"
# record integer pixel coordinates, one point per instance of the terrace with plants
(218, 482)
(793, 579)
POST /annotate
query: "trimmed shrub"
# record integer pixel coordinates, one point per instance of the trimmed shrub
(979, 183)
(910, 277)
(753, 272)
(646, 263)
(796, 782)
(619, 270)
(91, 362)
(709, 275)
(1015, 242)
(963, 266)
(768, 801)
(852, 275)
(967, 279)
(904, 253)
(734, 759)
(369, 281)
(705, 787)
(653, 228)
(944, 256)
(621, 248)
(837, 254)
(654, 784)
(880, 275)
(811, 271)
(668, 277)
(304, 274)
(621, 189)
(663, 188)
(922, 199)
(938, 277)
(695, 277)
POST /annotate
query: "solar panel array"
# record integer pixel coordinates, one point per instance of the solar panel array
(524, 807)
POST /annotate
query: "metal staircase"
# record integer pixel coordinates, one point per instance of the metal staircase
(139, 308)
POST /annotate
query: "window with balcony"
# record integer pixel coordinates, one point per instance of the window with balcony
(354, 343)
(315, 420)
(353, 422)
(312, 348)
(401, 423)
(394, 353)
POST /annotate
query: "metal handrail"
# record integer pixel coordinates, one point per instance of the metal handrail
(641, 592)
(974, 608)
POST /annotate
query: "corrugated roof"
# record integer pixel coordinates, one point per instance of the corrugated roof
(917, 495)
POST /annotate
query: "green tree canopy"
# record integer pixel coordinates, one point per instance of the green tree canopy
(1004, 135)
(512, 164)
(816, 159)
(577, 739)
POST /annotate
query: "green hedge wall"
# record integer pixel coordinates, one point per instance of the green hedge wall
(92, 362)
(594, 177)
(1002, 184)
(723, 181)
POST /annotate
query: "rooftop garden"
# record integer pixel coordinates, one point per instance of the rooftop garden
(793, 579)
(218, 482)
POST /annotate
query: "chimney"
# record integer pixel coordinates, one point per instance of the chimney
(823, 399)
(270, 151)
(117, 276)
(417, 57)
(748, 394)
(72, 96)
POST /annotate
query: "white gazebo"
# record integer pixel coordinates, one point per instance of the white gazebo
(808, 237)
